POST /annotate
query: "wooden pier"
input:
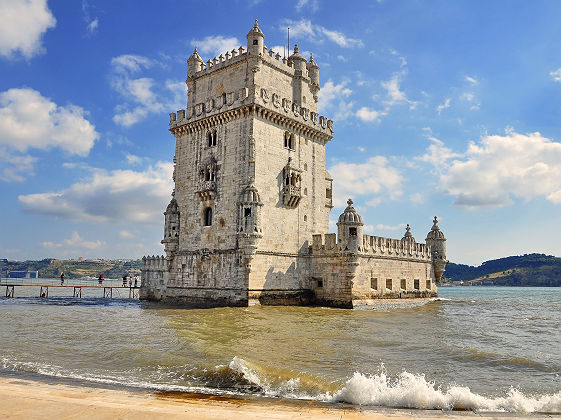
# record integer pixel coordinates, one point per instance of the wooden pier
(77, 289)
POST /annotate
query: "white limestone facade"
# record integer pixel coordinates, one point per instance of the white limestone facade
(249, 215)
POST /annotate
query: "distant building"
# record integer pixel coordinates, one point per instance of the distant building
(249, 215)
(23, 274)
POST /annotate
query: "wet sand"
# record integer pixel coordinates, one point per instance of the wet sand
(29, 399)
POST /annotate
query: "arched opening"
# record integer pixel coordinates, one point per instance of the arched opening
(208, 216)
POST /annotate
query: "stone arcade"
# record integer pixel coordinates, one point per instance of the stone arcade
(250, 210)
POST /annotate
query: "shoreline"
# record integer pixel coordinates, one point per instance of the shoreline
(54, 398)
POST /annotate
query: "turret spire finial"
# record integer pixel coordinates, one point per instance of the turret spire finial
(350, 202)
(296, 49)
(255, 25)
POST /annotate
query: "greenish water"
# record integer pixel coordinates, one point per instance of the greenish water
(481, 348)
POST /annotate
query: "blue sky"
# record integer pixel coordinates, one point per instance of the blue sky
(441, 108)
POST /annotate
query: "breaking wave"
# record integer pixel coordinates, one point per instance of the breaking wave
(406, 390)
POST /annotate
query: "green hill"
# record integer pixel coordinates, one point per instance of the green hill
(522, 270)
(51, 268)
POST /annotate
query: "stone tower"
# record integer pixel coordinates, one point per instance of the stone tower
(251, 185)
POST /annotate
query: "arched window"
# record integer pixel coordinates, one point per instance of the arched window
(288, 140)
(211, 138)
(208, 216)
(223, 99)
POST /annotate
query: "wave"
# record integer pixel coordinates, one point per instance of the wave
(239, 377)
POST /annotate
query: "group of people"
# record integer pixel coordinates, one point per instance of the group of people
(126, 279)
(130, 281)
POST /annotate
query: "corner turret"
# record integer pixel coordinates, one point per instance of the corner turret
(408, 237)
(437, 241)
(255, 40)
(194, 63)
(313, 74)
(171, 228)
(298, 62)
(349, 229)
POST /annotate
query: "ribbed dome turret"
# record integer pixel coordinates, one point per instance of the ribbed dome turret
(408, 235)
(435, 232)
(350, 216)
(250, 195)
(255, 30)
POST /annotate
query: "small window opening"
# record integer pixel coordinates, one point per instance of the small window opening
(305, 166)
(224, 99)
(305, 218)
(211, 138)
(305, 191)
(255, 42)
(328, 193)
(208, 216)
(247, 212)
(352, 231)
(389, 284)
(403, 284)
(374, 284)
(288, 140)
(429, 285)
(416, 285)
(320, 283)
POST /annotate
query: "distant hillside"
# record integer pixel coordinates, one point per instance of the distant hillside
(51, 268)
(523, 270)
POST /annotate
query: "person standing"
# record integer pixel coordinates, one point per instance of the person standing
(100, 279)
(62, 279)
(125, 280)
(135, 281)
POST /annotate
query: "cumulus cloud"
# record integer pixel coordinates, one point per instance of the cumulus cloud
(370, 114)
(142, 95)
(437, 154)
(75, 242)
(332, 99)
(29, 120)
(305, 29)
(373, 179)
(499, 168)
(216, 44)
(119, 195)
(15, 167)
(22, 25)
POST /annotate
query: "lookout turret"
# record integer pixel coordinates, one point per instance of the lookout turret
(194, 63)
(255, 40)
(349, 229)
(437, 242)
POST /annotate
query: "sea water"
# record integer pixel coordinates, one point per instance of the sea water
(479, 348)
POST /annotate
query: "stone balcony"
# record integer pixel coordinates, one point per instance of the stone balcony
(291, 195)
(206, 190)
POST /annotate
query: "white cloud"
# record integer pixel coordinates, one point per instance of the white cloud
(92, 26)
(443, 106)
(369, 114)
(305, 29)
(22, 25)
(142, 95)
(394, 95)
(15, 167)
(133, 159)
(468, 96)
(119, 195)
(330, 92)
(381, 226)
(374, 178)
(437, 154)
(556, 75)
(75, 242)
(216, 45)
(472, 80)
(28, 120)
(313, 5)
(499, 168)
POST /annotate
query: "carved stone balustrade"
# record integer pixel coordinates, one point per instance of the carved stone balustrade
(207, 190)
(291, 195)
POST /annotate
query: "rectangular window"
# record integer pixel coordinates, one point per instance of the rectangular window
(403, 284)
(416, 284)
(374, 284)
(328, 193)
(352, 231)
(389, 284)
(429, 285)
(247, 212)
(320, 282)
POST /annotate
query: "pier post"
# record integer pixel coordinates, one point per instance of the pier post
(44, 293)
(107, 292)
(9, 291)
(77, 292)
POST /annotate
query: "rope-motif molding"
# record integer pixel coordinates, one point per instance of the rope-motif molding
(244, 112)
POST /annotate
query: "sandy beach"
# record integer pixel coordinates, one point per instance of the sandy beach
(28, 399)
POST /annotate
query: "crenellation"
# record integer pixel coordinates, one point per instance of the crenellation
(249, 214)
